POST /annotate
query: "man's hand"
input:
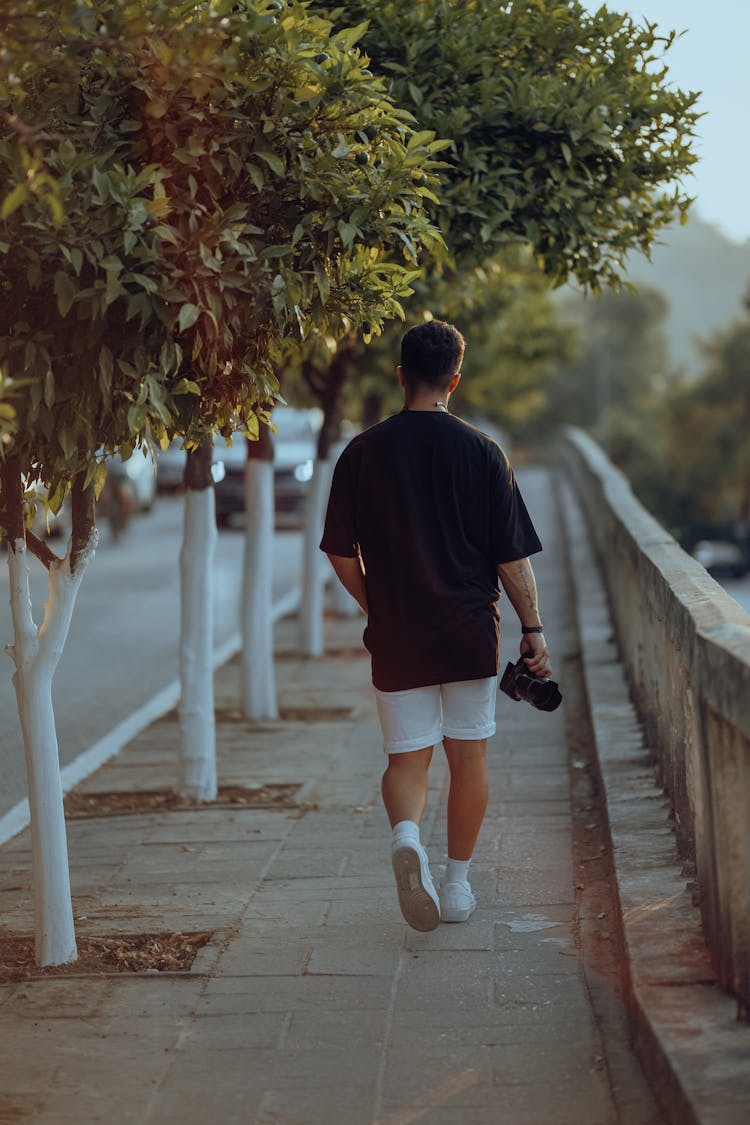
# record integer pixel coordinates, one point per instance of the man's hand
(518, 581)
(534, 646)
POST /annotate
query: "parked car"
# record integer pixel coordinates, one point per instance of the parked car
(295, 447)
(140, 472)
(48, 525)
(137, 473)
(721, 558)
(170, 467)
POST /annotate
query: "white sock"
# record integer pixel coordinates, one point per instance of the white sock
(406, 829)
(457, 871)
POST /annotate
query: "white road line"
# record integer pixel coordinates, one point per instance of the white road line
(89, 760)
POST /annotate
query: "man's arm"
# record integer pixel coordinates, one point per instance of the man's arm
(352, 577)
(517, 579)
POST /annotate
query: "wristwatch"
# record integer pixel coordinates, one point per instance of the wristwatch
(532, 628)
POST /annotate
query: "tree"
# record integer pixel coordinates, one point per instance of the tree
(622, 362)
(81, 376)
(518, 337)
(560, 133)
(327, 208)
(705, 489)
(198, 183)
(564, 132)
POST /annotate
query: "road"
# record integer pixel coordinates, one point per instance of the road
(739, 588)
(123, 643)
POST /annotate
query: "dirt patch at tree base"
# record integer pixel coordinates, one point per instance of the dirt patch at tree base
(304, 714)
(291, 714)
(97, 956)
(271, 796)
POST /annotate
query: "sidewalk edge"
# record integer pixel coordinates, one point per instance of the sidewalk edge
(683, 1026)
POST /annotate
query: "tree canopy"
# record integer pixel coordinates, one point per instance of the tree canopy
(565, 132)
(183, 187)
(518, 337)
(562, 135)
(707, 428)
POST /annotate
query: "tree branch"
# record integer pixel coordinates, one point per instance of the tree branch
(24, 629)
(11, 514)
(41, 550)
(330, 399)
(314, 377)
(28, 132)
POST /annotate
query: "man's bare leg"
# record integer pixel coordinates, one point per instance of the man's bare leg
(405, 796)
(404, 785)
(467, 797)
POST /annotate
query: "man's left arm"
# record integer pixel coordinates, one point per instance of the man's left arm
(517, 579)
(352, 577)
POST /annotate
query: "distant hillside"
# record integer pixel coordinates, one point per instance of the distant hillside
(704, 276)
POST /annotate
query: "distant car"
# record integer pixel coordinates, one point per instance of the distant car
(721, 558)
(47, 525)
(140, 472)
(170, 467)
(295, 448)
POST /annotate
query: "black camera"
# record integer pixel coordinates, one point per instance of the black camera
(519, 683)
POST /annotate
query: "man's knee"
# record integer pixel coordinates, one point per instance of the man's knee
(465, 752)
(413, 761)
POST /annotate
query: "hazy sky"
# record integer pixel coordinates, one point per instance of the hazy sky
(712, 56)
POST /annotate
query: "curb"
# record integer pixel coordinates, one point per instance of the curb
(683, 1026)
(17, 818)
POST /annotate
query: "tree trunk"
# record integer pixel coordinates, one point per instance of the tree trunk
(197, 779)
(372, 409)
(36, 654)
(329, 389)
(257, 668)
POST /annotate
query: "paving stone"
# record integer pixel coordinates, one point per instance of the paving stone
(439, 1074)
(315, 1004)
(282, 993)
(350, 1104)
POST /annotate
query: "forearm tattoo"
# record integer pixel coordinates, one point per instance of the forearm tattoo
(528, 585)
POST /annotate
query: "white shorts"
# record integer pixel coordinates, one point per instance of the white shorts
(419, 717)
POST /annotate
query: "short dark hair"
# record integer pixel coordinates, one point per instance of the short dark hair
(431, 353)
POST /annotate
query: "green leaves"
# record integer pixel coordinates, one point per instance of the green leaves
(65, 291)
(272, 159)
(188, 315)
(15, 198)
(184, 207)
(556, 127)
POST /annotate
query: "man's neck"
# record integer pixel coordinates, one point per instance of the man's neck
(433, 400)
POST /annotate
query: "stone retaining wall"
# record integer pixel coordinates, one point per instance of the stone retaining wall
(686, 648)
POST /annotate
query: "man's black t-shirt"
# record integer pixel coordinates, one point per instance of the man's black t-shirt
(432, 506)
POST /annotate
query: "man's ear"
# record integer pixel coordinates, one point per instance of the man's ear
(400, 375)
(454, 382)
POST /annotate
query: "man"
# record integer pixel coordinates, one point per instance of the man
(424, 515)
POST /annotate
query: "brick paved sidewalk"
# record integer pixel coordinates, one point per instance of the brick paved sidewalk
(314, 1003)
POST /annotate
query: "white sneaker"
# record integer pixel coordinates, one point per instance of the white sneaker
(457, 903)
(417, 896)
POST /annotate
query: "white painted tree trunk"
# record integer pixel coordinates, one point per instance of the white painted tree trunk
(314, 563)
(36, 654)
(258, 686)
(197, 721)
